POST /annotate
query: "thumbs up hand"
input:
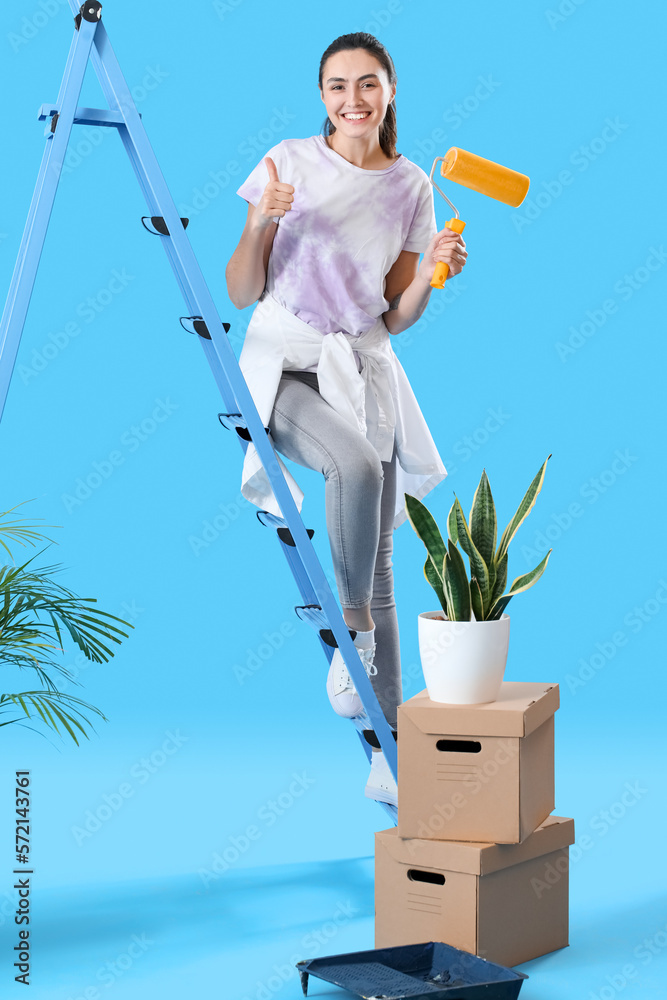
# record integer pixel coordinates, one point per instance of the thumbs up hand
(276, 198)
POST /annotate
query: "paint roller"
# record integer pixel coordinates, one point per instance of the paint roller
(480, 175)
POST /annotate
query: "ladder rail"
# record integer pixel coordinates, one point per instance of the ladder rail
(91, 43)
(184, 262)
(39, 214)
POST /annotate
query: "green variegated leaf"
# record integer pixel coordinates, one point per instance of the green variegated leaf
(478, 567)
(455, 581)
(501, 578)
(424, 524)
(522, 512)
(498, 607)
(520, 584)
(452, 528)
(528, 579)
(483, 524)
(476, 600)
(434, 578)
(492, 582)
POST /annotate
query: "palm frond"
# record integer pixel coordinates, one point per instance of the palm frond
(37, 615)
(20, 530)
(52, 708)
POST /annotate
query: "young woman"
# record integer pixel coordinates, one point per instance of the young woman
(331, 245)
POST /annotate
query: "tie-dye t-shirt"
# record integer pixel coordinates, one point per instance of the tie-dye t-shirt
(347, 226)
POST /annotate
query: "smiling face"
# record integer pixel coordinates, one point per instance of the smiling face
(356, 92)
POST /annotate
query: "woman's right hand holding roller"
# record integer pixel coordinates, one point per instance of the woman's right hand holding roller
(446, 247)
(276, 199)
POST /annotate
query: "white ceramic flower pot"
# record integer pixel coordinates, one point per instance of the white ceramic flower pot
(463, 662)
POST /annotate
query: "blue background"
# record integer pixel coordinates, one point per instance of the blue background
(551, 342)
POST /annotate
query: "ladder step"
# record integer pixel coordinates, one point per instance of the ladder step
(285, 535)
(371, 738)
(158, 224)
(84, 116)
(313, 614)
(199, 326)
(236, 421)
(268, 519)
(280, 524)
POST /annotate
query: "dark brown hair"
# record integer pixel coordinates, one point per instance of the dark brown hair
(362, 40)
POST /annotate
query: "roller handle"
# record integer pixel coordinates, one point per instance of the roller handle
(442, 269)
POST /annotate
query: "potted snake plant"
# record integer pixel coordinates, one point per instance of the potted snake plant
(463, 646)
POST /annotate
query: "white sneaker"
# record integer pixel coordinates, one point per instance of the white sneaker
(342, 693)
(381, 785)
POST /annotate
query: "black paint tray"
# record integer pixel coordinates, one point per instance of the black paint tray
(415, 971)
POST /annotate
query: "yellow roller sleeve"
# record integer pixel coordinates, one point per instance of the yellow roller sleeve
(485, 176)
(442, 269)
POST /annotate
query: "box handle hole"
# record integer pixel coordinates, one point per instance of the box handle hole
(435, 878)
(459, 746)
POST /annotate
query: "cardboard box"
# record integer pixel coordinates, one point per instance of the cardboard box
(507, 903)
(477, 772)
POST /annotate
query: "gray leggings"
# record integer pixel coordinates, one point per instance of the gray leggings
(360, 496)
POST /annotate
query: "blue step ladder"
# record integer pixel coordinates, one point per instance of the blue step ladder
(320, 608)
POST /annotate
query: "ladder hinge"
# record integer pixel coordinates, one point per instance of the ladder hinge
(89, 11)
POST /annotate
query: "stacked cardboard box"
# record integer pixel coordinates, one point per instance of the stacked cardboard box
(476, 860)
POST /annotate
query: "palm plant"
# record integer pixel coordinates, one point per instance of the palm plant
(35, 613)
(483, 595)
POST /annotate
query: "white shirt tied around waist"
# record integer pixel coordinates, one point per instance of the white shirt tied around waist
(378, 400)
